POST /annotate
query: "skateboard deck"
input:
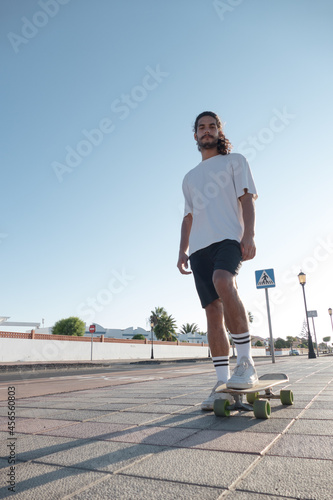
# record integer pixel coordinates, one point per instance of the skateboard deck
(256, 402)
(264, 382)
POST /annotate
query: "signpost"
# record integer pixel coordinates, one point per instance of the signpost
(314, 314)
(92, 330)
(265, 279)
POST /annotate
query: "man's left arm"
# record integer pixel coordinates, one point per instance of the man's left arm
(248, 246)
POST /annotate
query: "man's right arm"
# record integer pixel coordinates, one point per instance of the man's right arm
(182, 263)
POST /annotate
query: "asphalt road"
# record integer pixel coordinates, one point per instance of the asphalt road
(37, 383)
(65, 372)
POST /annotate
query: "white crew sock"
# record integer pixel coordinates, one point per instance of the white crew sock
(243, 346)
(221, 364)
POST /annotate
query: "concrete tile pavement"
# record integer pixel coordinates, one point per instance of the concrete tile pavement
(150, 440)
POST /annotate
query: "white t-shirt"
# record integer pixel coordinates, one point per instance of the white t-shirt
(212, 190)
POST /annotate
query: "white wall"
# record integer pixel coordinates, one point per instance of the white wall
(57, 350)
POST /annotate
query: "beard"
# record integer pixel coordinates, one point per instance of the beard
(207, 144)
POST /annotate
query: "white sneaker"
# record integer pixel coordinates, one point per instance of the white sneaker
(208, 404)
(244, 375)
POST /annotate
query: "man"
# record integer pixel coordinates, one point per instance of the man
(217, 234)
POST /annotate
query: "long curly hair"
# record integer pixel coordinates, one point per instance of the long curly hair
(224, 146)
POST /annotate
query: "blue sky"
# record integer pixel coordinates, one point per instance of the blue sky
(99, 102)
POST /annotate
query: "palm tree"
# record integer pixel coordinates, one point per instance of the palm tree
(164, 325)
(166, 328)
(189, 328)
(155, 315)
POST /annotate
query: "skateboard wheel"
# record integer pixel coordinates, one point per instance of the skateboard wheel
(261, 408)
(251, 397)
(287, 397)
(221, 408)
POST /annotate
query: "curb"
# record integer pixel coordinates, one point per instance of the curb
(77, 365)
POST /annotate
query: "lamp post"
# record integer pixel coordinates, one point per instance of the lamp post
(330, 313)
(152, 324)
(302, 281)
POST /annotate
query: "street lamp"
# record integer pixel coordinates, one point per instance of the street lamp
(330, 313)
(152, 324)
(302, 281)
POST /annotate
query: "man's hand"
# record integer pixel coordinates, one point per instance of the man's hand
(248, 248)
(182, 263)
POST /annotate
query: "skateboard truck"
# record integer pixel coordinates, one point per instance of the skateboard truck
(239, 405)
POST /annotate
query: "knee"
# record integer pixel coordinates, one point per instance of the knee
(224, 283)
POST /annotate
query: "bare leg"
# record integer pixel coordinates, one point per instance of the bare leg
(217, 336)
(219, 346)
(234, 311)
(236, 319)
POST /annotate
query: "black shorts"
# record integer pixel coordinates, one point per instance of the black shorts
(224, 255)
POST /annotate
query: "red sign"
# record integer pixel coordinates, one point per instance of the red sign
(92, 329)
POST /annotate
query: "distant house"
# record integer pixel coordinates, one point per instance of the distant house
(255, 338)
(117, 333)
(128, 333)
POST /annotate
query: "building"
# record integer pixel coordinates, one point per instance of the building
(20, 324)
(255, 338)
(128, 333)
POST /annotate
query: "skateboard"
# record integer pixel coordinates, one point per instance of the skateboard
(256, 402)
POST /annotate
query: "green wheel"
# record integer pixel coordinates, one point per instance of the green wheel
(221, 408)
(261, 408)
(287, 397)
(251, 397)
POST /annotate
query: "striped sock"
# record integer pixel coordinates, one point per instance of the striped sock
(243, 345)
(221, 364)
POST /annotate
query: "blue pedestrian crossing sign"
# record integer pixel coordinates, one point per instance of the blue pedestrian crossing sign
(265, 278)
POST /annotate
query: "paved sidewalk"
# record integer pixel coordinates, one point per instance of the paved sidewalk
(26, 366)
(150, 440)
